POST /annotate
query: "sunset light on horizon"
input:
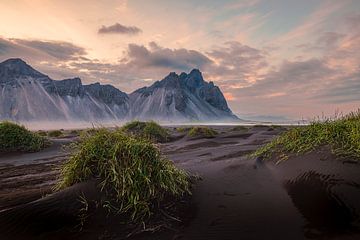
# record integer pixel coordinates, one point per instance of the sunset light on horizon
(271, 58)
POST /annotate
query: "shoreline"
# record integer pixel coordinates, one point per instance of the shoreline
(71, 125)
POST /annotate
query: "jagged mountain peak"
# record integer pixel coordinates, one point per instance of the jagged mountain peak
(183, 75)
(196, 73)
(184, 96)
(26, 95)
(192, 80)
(71, 81)
(15, 67)
(172, 75)
(14, 61)
(170, 81)
(106, 93)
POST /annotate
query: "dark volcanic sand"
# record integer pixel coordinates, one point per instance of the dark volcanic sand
(309, 197)
(26, 177)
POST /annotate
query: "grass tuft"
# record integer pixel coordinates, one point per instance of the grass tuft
(55, 133)
(42, 133)
(205, 132)
(342, 134)
(133, 175)
(75, 132)
(239, 128)
(182, 129)
(16, 138)
(259, 126)
(150, 130)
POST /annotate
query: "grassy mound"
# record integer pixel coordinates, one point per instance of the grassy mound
(150, 130)
(16, 138)
(202, 132)
(75, 132)
(182, 129)
(342, 134)
(133, 175)
(239, 128)
(259, 126)
(42, 133)
(55, 133)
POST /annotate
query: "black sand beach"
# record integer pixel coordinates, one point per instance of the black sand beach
(314, 196)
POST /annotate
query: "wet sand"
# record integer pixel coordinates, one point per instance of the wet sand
(314, 196)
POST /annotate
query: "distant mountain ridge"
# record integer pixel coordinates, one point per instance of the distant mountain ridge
(28, 95)
(184, 97)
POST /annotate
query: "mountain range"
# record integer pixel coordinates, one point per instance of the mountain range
(27, 95)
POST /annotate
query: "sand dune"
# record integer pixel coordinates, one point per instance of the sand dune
(311, 196)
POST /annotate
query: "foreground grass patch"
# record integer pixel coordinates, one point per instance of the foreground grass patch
(16, 138)
(342, 134)
(150, 130)
(133, 175)
(202, 132)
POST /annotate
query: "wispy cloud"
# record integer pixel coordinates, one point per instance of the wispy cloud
(241, 4)
(157, 56)
(118, 28)
(312, 23)
(57, 49)
(234, 60)
(315, 85)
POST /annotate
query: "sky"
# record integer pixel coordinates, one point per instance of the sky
(271, 58)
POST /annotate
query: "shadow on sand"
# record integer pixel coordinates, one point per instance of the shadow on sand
(323, 202)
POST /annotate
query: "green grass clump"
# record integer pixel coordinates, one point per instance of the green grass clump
(259, 126)
(75, 132)
(239, 128)
(150, 130)
(42, 133)
(55, 133)
(342, 134)
(276, 126)
(202, 132)
(182, 129)
(16, 138)
(88, 132)
(133, 175)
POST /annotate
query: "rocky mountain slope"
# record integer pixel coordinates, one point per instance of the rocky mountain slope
(27, 95)
(182, 97)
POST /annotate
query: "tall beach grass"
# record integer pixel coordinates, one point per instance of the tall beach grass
(150, 130)
(202, 131)
(341, 133)
(133, 174)
(16, 138)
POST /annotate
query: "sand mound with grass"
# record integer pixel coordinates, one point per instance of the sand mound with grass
(110, 177)
(203, 132)
(341, 134)
(150, 130)
(16, 138)
(132, 173)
